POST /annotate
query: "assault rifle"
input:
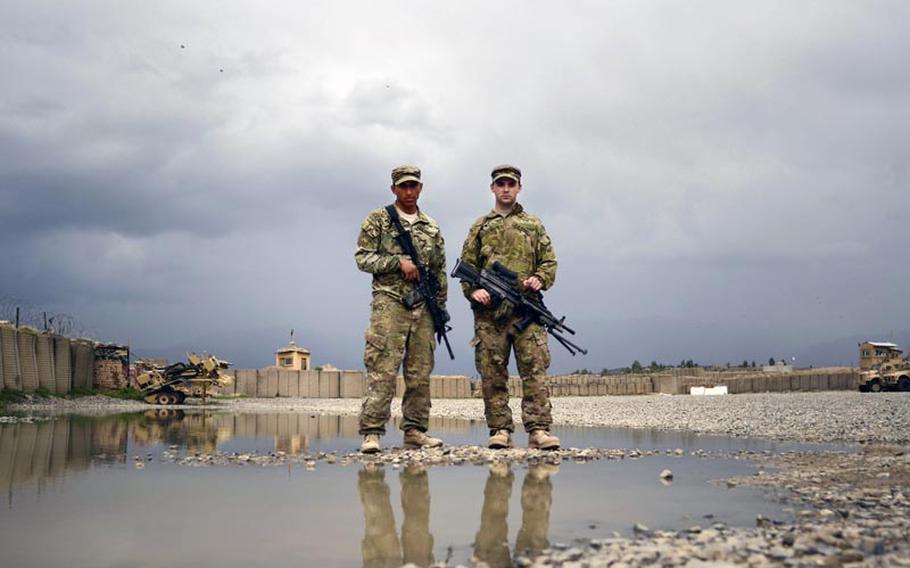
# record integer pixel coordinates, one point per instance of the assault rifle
(427, 286)
(503, 285)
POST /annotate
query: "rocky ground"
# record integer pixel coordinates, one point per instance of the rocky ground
(846, 507)
(37, 407)
(810, 417)
(850, 509)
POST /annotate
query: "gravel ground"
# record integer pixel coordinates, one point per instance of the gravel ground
(848, 508)
(845, 508)
(96, 405)
(810, 417)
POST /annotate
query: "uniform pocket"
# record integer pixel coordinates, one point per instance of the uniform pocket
(543, 351)
(375, 345)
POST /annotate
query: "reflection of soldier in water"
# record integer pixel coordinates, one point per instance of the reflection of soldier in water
(491, 544)
(380, 546)
(536, 497)
(416, 540)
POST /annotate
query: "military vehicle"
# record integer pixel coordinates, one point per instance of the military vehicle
(173, 383)
(893, 374)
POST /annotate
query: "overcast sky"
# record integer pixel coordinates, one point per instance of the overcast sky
(722, 180)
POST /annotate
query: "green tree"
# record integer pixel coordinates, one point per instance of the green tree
(745, 364)
(771, 361)
(636, 366)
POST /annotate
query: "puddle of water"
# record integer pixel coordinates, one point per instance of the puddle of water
(74, 496)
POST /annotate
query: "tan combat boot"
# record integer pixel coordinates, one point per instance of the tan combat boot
(370, 444)
(414, 438)
(500, 439)
(540, 439)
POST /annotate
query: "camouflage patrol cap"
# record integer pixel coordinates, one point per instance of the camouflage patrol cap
(402, 174)
(505, 170)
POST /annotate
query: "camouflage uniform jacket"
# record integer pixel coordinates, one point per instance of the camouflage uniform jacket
(380, 254)
(518, 240)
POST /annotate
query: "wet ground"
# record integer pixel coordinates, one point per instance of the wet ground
(107, 491)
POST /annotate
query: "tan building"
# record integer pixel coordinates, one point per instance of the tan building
(875, 352)
(292, 357)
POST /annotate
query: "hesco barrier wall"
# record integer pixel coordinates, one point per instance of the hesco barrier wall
(43, 349)
(82, 359)
(30, 359)
(590, 385)
(833, 378)
(9, 351)
(63, 365)
(272, 382)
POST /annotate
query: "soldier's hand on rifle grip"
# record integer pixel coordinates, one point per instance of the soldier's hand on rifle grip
(533, 283)
(481, 296)
(409, 269)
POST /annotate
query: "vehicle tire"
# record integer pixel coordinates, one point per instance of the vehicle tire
(163, 398)
(172, 398)
(875, 386)
(903, 384)
(180, 397)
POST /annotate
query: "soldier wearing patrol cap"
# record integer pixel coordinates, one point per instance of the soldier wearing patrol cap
(398, 334)
(519, 241)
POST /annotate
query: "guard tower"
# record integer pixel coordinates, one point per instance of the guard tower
(876, 352)
(292, 357)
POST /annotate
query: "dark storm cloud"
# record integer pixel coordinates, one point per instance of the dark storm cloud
(720, 180)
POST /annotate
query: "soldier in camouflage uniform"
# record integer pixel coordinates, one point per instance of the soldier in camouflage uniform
(519, 241)
(395, 333)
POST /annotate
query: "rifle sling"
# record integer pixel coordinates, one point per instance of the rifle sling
(407, 244)
(404, 235)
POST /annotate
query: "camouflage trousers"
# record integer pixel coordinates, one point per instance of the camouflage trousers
(397, 335)
(491, 544)
(380, 546)
(493, 342)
